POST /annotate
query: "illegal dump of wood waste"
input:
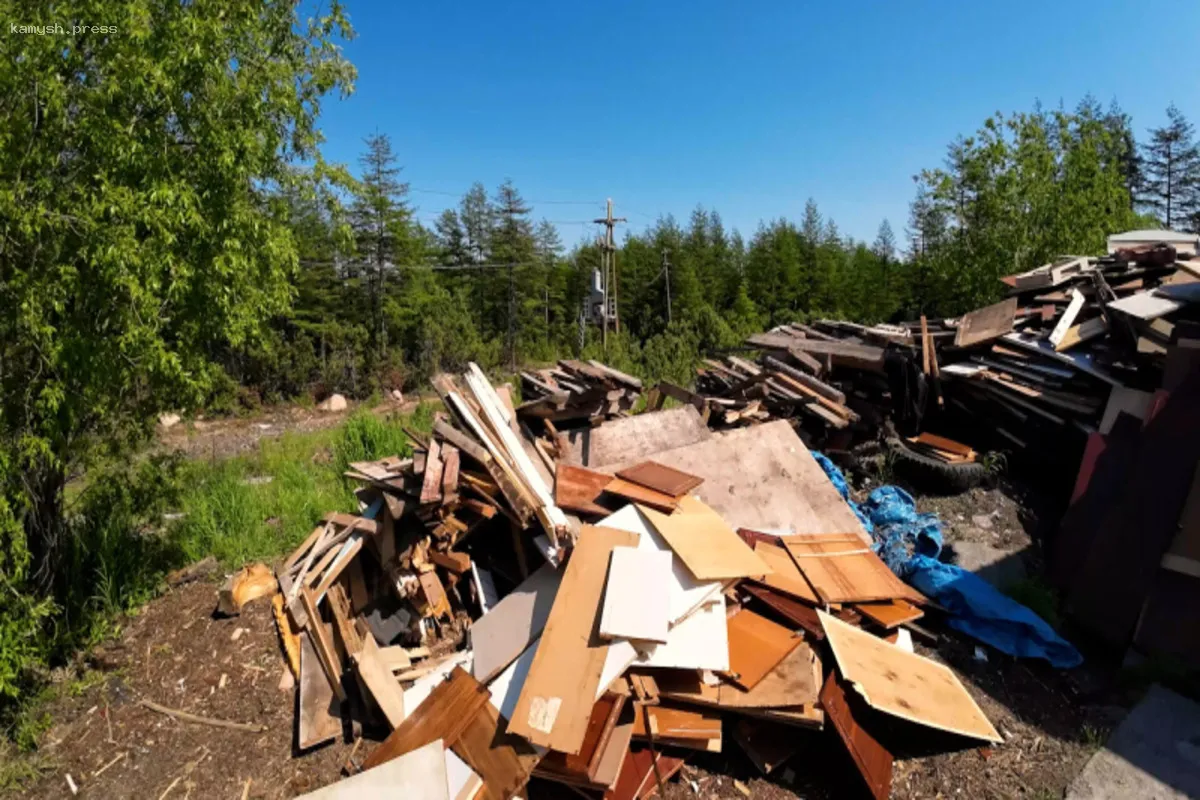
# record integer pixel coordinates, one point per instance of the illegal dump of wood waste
(566, 591)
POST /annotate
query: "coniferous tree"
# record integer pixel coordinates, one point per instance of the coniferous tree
(1171, 170)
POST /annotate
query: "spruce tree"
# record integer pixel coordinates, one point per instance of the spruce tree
(1171, 169)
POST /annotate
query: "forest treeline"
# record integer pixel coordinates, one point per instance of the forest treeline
(383, 301)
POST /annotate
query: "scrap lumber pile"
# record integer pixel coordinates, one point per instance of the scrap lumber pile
(689, 589)
(577, 392)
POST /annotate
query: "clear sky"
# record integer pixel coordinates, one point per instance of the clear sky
(746, 107)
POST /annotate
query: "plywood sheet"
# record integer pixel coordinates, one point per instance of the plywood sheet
(786, 576)
(559, 691)
(419, 775)
(890, 614)
(756, 646)
(661, 478)
(705, 542)
(763, 478)
(873, 760)
(794, 681)
(637, 595)
(500, 635)
(632, 439)
(904, 684)
(987, 323)
(842, 570)
(384, 687)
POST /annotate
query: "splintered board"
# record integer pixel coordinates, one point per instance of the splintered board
(786, 577)
(637, 595)
(705, 542)
(557, 698)
(890, 614)
(842, 569)
(660, 478)
(904, 684)
(756, 646)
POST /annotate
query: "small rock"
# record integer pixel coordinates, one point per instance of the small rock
(398, 395)
(168, 420)
(237, 633)
(982, 521)
(335, 402)
(287, 680)
(741, 787)
(257, 480)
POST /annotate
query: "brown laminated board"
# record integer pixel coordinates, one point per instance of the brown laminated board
(636, 493)
(705, 543)
(632, 439)
(668, 722)
(794, 681)
(795, 612)
(608, 769)
(581, 767)
(786, 577)
(762, 477)
(660, 478)
(987, 323)
(843, 570)
(444, 714)
(503, 761)
(890, 614)
(905, 684)
(577, 488)
(556, 699)
(873, 760)
(756, 646)
(642, 772)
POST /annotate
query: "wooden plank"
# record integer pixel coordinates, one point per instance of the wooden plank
(1067, 319)
(642, 772)
(579, 768)
(636, 596)
(641, 495)
(985, 324)
(322, 645)
(319, 719)
(926, 348)
(891, 614)
(667, 722)
(904, 684)
(608, 768)
(799, 614)
(860, 356)
(417, 775)
(632, 439)
(836, 395)
(660, 478)
(377, 676)
(557, 697)
(1083, 332)
(763, 478)
(431, 481)
(842, 570)
(873, 760)
(451, 461)
(942, 443)
(577, 488)
(705, 542)
(444, 715)
(756, 646)
(786, 576)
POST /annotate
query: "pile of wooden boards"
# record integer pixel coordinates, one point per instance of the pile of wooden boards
(689, 587)
(577, 392)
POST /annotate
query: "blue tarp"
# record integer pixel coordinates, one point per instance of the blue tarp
(910, 544)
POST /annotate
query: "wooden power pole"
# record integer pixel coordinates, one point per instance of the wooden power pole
(608, 272)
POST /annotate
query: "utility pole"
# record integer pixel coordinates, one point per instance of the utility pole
(666, 273)
(512, 318)
(608, 271)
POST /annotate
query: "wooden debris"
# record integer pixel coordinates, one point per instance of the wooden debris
(249, 583)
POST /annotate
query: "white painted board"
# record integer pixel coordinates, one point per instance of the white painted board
(637, 594)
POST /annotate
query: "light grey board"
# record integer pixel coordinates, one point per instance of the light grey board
(502, 633)
(416, 775)
(632, 439)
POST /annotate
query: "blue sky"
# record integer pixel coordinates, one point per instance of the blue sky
(746, 107)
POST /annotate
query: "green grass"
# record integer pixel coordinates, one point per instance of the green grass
(1037, 595)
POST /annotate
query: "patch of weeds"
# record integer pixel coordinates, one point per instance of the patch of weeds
(18, 770)
(89, 679)
(995, 462)
(1094, 737)
(1039, 597)
(885, 467)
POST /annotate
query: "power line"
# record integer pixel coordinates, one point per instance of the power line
(534, 202)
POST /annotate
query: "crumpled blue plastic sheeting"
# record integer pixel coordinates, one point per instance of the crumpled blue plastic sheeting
(909, 543)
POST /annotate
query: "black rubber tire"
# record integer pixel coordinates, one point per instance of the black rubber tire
(928, 473)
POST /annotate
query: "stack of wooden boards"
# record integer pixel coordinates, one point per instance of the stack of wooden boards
(653, 630)
(577, 392)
